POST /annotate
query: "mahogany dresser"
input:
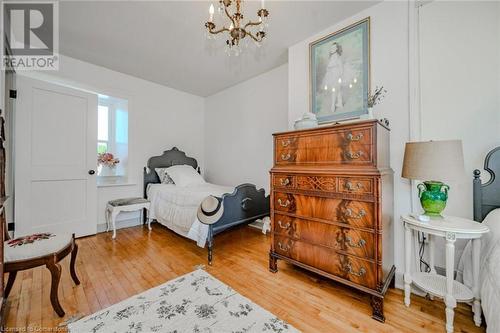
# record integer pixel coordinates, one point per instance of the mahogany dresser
(331, 205)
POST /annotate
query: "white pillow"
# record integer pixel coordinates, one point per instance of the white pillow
(185, 175)
(163, 175)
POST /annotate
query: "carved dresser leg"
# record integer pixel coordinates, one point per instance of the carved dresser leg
(273, 263)
(378, 308)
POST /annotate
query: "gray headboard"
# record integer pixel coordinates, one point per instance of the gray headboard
(487, 196)
(170, 157)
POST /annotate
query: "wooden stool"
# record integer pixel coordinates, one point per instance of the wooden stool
(114, 208)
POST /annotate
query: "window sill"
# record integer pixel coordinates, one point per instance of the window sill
(113, 181)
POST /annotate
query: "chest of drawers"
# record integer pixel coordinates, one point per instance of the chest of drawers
(331, 205)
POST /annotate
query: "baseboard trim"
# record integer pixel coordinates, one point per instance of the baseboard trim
(133, 222)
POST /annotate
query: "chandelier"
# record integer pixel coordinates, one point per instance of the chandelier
(237, 29)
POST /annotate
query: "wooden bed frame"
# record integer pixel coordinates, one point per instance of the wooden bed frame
(487, 196)
(243, 206)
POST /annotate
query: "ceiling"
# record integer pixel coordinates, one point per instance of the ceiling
(165, 41)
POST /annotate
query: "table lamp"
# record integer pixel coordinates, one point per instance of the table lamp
(433, 162)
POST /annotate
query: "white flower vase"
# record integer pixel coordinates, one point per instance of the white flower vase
(370, 113)
(106, 171)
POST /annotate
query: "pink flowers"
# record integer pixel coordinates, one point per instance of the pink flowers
(29, 239)
(107, 159)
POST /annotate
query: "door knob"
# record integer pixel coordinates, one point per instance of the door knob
(91, 172)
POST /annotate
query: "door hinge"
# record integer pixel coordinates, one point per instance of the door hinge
(13, 93)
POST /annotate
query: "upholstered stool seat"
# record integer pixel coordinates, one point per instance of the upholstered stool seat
(114, 208)
(40, 249)
(16, 250)
(127, 201)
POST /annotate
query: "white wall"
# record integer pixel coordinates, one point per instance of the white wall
(389, 67)
(460, 86)
(159, 118)
(239, 122)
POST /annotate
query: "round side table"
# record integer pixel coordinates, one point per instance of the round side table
(451, 228)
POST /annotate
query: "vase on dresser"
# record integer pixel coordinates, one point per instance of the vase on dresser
(331, 205)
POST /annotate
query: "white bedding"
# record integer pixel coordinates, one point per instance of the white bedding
(489, 271)
(175, 207)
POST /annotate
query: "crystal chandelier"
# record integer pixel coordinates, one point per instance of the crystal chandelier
(237, 29)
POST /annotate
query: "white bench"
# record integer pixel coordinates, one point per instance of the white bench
(114, 208)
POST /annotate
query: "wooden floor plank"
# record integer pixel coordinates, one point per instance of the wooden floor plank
(111, 271)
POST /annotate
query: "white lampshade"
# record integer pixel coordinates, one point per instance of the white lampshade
(434, 160)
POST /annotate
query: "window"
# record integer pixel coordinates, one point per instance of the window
(112, 136)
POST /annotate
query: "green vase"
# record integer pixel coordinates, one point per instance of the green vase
(433, 196)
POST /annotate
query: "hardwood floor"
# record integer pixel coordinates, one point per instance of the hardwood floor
(111, 271)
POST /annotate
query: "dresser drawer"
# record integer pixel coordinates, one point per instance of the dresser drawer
(348, 240)
(356, 185)
(337, 147)
(357, 270)
(351, 212)
(284, 181)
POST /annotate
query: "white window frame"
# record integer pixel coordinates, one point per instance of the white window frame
(112, 106)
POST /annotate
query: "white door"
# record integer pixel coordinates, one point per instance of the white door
(55, 158)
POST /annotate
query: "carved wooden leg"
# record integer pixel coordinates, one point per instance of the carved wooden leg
(449, 298)
(72, 264)
(210, 239)
(407, 275)
(148, 219)
(10, 283)
(55, 271)
(273, 263)
(378, 308)
(392, 285)
(210, 249)
(114, 214)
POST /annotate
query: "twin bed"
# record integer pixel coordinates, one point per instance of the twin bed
(175, 206)
(487, 210)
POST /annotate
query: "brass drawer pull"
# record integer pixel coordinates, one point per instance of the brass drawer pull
(286, 226)
(285, 248)
(349, 213)
(284, 204)
(361, 242)
(351, 187)
(284, 181)
(285, 157)
(357, 137)
(349, 270)
(287, 142)
(352, 155)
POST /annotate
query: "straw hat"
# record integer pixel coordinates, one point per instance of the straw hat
(210, 210)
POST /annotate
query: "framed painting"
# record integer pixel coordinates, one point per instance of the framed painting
(340, 73)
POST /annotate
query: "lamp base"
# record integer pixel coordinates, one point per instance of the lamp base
(433, 197)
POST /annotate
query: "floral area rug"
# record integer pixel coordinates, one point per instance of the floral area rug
(196, 302)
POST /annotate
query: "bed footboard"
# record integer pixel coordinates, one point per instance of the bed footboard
(245, 205)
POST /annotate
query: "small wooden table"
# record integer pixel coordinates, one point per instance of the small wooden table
(114, 208)
(451, 228)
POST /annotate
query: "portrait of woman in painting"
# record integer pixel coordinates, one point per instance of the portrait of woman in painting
(332, 81)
